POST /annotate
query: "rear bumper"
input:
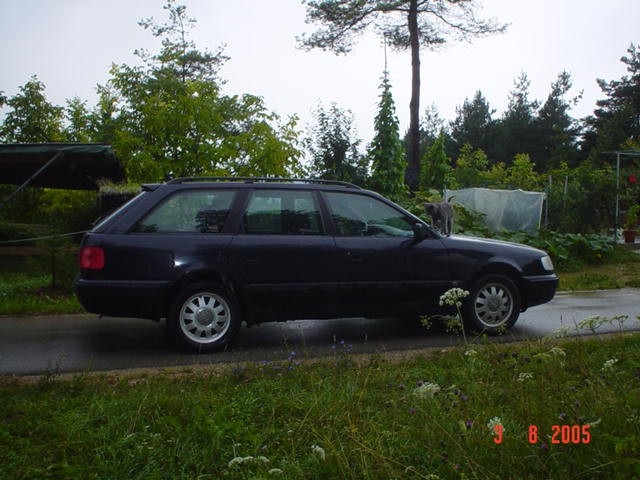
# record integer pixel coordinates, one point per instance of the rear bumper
(143, 299)
(539, 289)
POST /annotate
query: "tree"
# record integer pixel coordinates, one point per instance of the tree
(169, 117)
(78, 128)
(474, 124)
(471, 167)
(386, 151)
(616, 121)
(432, 124)
(521, 174)
(407, 24)
(333, 147)
(557, 129)
(516, 129)
(435, 169)
(31, 117)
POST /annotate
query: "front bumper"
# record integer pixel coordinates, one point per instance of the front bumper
(539, 289)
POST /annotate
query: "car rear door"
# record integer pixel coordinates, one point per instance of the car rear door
(283, 254)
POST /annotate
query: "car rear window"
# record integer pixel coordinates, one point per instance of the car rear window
(192, 211)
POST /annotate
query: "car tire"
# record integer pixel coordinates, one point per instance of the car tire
(493, 305)
(205, 317)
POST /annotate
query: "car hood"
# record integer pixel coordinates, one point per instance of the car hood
(489, 244)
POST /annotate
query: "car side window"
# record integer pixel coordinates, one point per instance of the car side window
(282, 212)
(189, 211)
(363, 216)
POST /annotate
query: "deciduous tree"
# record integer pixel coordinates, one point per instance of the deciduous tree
(31, 117)
(172, 119)
(333, 146)
(435, 169)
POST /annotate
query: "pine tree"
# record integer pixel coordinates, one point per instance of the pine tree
(615, 124)
(409, 25)
(386, 151)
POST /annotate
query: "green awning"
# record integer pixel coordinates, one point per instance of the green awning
(74, 166)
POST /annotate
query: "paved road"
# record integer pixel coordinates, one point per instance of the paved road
(76, 343)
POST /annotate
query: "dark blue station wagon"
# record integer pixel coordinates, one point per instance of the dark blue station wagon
(209, 253)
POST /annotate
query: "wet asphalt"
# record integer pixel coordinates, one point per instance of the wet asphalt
(34, 345)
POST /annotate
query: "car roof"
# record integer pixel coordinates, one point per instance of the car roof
(253, 182)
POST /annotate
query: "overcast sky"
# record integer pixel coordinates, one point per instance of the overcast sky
(70, 45)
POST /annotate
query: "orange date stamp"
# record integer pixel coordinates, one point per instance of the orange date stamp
(560, 434)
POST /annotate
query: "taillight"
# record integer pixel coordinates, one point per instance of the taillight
(91, 258)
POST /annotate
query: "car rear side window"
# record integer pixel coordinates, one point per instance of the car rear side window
(362, 216)
(190, 211)
(282, 212)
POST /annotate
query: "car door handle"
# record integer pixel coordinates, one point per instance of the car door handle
(355, 257)
(252, 258)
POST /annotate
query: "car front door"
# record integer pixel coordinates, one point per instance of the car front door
(382, 267)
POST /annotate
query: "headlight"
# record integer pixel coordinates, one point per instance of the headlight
(547, 264)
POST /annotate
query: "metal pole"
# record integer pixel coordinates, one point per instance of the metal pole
(546, 201)
(615, 227)
(40, 170)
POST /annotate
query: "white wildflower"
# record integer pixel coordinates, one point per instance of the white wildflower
(237, 461)
(241, 460)
(426, 390)
(557, 352)
(560, 332)
(525, 376)
(275, 471)
(595, 422)
(318, 451)
(633, 418)
(453, 297)
(470, 353)
(493, 423)
(609, 364)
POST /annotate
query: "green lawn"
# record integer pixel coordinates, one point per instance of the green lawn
(607, 276)
(566, 409)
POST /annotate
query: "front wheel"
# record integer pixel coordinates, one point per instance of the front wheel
(205, 317)
(493, 305)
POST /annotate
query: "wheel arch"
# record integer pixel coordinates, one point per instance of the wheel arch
(501, 268)
(212, 276)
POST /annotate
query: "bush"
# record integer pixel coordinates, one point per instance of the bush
(69, 210)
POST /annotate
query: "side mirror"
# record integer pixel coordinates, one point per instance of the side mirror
(421, 231)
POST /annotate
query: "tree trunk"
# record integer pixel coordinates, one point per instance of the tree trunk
(411, 176)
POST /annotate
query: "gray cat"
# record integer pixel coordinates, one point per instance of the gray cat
(442, 215)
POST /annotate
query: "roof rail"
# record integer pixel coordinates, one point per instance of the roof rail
(261, 179)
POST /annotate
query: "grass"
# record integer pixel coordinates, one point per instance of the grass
(625, 273)
(22, 293)
(423, 417)
(27, 286)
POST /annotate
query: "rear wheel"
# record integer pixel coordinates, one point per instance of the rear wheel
(493, 305)
(205, 317)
